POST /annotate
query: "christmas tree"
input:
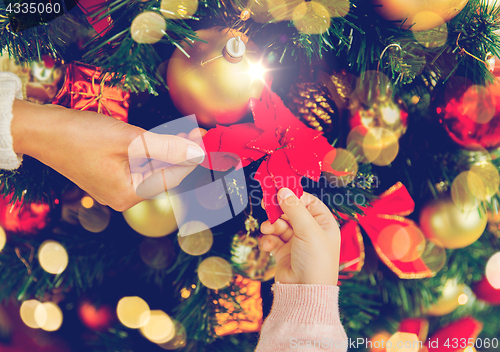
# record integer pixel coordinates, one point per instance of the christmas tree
(393, 106)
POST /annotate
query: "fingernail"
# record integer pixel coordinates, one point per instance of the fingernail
(195, 155)
(284, 193)
(264, 243)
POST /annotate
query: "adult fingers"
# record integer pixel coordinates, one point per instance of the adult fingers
(167, 148)
(161, 180)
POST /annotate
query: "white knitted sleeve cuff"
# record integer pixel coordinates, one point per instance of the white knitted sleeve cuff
(10, 88)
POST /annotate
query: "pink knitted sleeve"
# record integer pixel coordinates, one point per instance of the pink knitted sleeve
(303, 316)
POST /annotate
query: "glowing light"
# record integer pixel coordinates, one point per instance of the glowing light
(461, 193)
(403, 342)
(159, 329)
(434, 37)
(311, 18)
(53, 257)
(87, 202)
(48, 316)
(179, 340)
(215, 272)
(483, 180)
(376, 340)
(133, 312)
(185, 293)
(415, 99)
(257, 71)
(3, 238)
(463, 299)
(199, 242)
(94, 219)
(178, 9)
(27, 312)
(492, 271)
(380, 146)
(340, 160)
(148, 28)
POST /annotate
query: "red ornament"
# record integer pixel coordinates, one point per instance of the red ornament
(95, 318)
(472, 119)
(460, 330)
(97, 21)
(291, 149)
(485, 292)
(27, 219)
(84, 90)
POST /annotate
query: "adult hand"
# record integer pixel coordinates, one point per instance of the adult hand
(94, 151)
(305, 241)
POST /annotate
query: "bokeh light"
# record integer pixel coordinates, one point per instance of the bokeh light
(87, 202)
(215, 272)
(463, 299)
(448, 301)
(434, 37)
(94, 218)
(483, 180)
(179, 340)
(403, 342)
(378, 341)
(148, 28)
(159, 329)
(311, 18)
(27, 312)
(48, 316)
(380, 146)
(492, 271)
(478, 104)
(337, 8)
(282, 10)
(403, 243)
(133, 312)
(3, 238)
(53, 257)
(178, 9)
(199, 238)
(343, 161)
(434, 256)
(461, 193)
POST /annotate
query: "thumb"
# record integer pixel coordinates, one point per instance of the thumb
(167, 148)
(300, 218)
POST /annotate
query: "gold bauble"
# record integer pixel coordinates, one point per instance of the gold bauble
(264, 11)
(420, 15)
(178, 9)
(209, 85)
(448, 301)
(445, 223)
(215, 272)
(257, 264)
(154, 217)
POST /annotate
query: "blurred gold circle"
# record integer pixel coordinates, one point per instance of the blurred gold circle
(87, 202)
(215, 272)
(492, 271)
(483, 180)
(95, 218)
(337, 8)
(344, 161)
(403, 342)
(434, 256)
(49, 316)
(160, 327)
(195, 238)
(461, 193)
(3, 238)
(448, 301)
(179, 340)
(148, 28)
(380, 146)
(27, 312)
(178, 9)
(311, 18)
(154, 217)
(434, 37)
(133, 312)
(53, 257)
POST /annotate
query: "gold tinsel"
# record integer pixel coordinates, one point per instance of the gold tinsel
(319, 103)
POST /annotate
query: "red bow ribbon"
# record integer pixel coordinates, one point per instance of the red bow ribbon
(386, 211)
(291, 149)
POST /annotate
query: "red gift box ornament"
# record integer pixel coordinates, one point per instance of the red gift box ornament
(290, 149)
(393, 236)
(84, 90)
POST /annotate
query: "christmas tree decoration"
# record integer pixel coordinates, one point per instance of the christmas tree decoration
(28, 219)
(250, 301)
(311, 18)
(133, 312)
(256, 264)
(471, 115)
(101, 22)
(449, 300)
(409, 340)
(95, 318)
(3, 238)
(293, 150)
(199, 239)
(443, 222)
(48, 316)
(178, 9)
(94, 218)
(383, 221)
(344, 161)
(159, 329)
(318, 104)
(53, 257)
(268, 11)
(215, 78)
(377, 343)
(84, 90)
(417, 326)
(215, 272)
(179, 340)
(418, 15)
(148, 28)
(152, 217)
(27, 312)
(466, 328)
(157, 253)
(487, 293)
(492, 272)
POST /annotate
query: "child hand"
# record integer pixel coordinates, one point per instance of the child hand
(305, 241)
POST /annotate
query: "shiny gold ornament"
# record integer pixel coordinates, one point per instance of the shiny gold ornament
(215, 272)
(318, 103)
(212, 85)
(446, 224)
(420, 15)
(257, 265)
(178, 9)
(264, 11)
(449, 300)
(153, 217)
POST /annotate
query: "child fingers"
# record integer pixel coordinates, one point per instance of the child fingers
(270, 243)
(280, 228)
